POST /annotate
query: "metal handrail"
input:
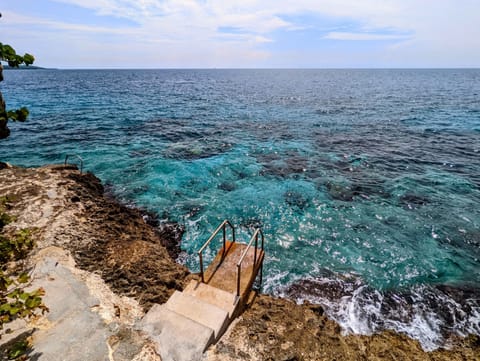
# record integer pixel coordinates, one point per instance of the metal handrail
(239, 264)
(75, 155)
(222, 226)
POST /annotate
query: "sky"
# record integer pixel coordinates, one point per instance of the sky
(244, 34)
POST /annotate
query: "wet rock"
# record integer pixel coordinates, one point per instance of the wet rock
(264, 158)
(227, 186)
(193, 210)
(116, 242)
(329, 286)
(251, 223)
(290, 164)
(340, 192)
(295, 199)
(196, 150)
(296, 162)
(412, 201)
(277, 329)
(171, 234)
(150, 218)
(352, 191)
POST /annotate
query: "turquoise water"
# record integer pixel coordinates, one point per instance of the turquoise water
(365, 181)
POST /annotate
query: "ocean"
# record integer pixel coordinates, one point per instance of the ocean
(366, 183)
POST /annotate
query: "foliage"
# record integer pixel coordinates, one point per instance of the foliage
(15, 248)
(18, 349)
(10, 56)
(15, 301)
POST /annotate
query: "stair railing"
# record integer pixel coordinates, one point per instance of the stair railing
(222, 227)
(76, 156)
(258, 231)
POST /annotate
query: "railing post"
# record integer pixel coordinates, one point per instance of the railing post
(224, 235)
(201, 266)
(222, 227)
(255, 250)
(261, 276)
(239, 267)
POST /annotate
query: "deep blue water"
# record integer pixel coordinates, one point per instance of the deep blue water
(365, 182)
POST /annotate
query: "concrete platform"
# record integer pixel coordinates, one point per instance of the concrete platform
(199, 311)
(225, 300)
(177, 338)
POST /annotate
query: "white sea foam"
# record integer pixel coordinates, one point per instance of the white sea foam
(428, 314)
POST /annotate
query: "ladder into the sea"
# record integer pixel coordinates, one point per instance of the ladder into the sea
(190, 321)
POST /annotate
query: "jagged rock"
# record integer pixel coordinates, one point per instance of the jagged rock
(102, 252)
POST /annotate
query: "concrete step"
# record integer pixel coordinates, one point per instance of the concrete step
(177, 338)
(212, 295)
(199, 311)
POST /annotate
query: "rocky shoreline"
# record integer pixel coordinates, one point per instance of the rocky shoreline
(122, 261)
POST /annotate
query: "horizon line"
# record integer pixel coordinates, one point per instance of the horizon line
(39, 67)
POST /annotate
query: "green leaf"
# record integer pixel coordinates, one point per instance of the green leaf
(19, 115)
(33, 302)
(14, 310)
(6, 52)
(24, 295)
(28, 59)
(18, 349)
(23, 278)
(5, 308)
(14, 294)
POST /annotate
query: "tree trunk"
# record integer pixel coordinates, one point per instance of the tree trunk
(4, 131)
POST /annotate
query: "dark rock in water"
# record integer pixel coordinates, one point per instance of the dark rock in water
(227, 186)
(194, 211)
(140, 153)
(265, 158)
(451, 308)
(366, 190)
(291, 164)
(348, 193)
(242, 175)
(316, 308)
(189, 209)
(460, 293)
(412, 201)
(252, 223)
(340, 192)
(171, 234)
(275, 170)
(150, 218)
(296, 162)
(295, 199)
(328, 287)
(197, 150)
(109, 190)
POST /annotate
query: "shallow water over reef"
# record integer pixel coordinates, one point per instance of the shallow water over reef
(365, 182)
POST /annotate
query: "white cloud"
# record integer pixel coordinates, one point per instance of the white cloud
(363, 36)
(424, 32)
